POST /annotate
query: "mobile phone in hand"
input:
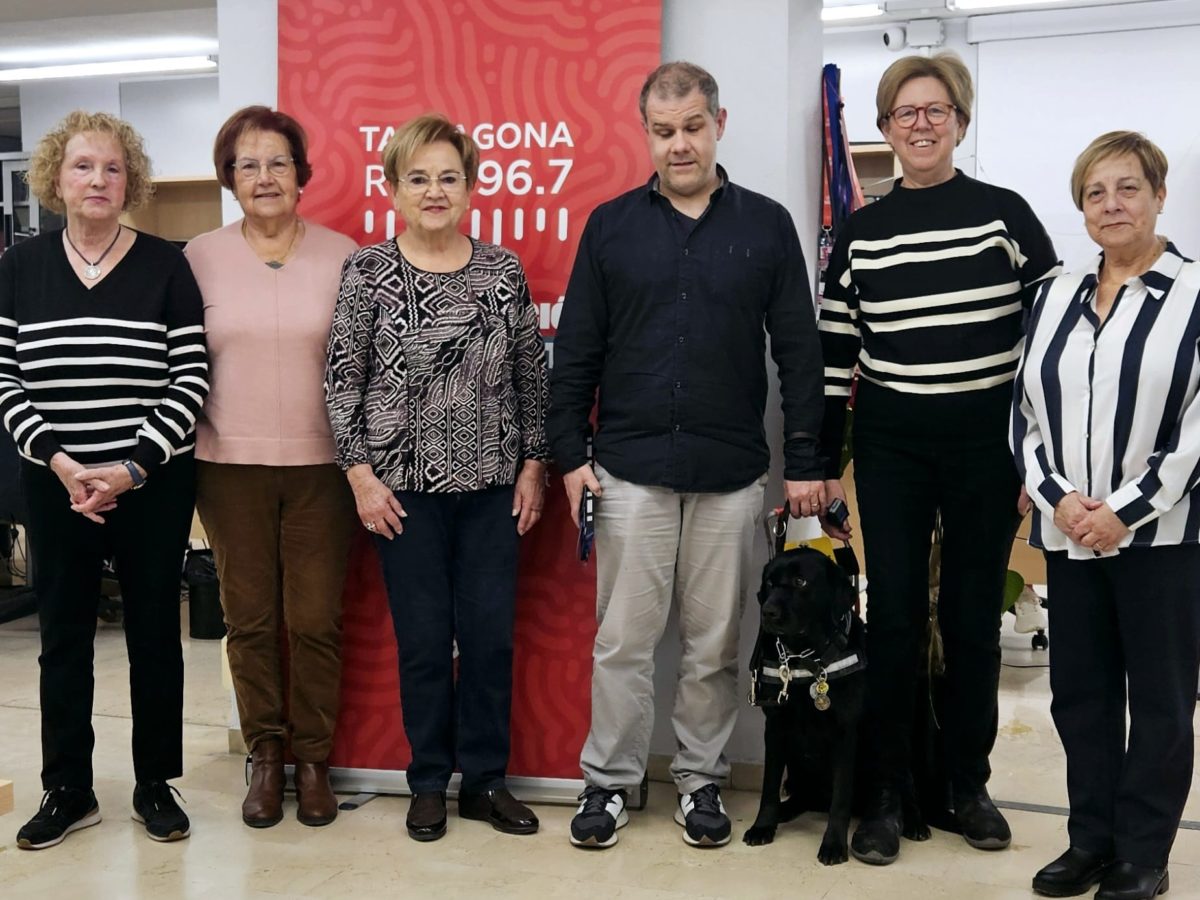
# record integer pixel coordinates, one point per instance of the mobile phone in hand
(587, 523)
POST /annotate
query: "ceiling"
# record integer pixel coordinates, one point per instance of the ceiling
(50, 31)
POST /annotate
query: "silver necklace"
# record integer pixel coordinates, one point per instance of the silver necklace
(92, 270)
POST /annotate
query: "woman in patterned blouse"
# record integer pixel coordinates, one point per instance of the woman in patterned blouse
(437, 391)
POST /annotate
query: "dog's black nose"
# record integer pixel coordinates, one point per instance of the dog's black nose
(772, 613)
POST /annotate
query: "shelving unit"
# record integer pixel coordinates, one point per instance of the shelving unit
(877, 167)
(181, 208)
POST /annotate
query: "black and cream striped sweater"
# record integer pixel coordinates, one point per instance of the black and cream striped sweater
(107, 374)
(927, 291)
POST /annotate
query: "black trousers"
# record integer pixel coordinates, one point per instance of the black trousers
(146, 535)
(451, 578)
(1123, 627)
(904, 474)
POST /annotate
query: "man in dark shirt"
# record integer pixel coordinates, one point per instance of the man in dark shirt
(664, 313)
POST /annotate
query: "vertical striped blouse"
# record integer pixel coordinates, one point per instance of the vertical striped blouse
(1108, 409)
(118, 371)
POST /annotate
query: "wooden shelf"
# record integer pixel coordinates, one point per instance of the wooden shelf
(876, 166)
(181, 208)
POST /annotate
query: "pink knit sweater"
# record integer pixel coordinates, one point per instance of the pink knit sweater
(267, 330)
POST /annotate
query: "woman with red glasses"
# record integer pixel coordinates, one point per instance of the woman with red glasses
(926, 295)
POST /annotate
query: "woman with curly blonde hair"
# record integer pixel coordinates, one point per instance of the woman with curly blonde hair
(103, 370)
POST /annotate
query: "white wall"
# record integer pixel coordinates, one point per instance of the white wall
(177, 118)
(45, 103)
(1043, 92)
(170, 114)
(247, 31)
(1034, 120)
(766, 57)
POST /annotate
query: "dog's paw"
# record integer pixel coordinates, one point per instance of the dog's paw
(833, 851)
(917, 831)
(757, 835)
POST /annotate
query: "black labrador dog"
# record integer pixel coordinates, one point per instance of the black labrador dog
(807, 674)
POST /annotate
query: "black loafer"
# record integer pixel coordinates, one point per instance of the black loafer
(1125, 881)
(982, 825)
(500, 809)
(1071, 874)
(426, 820)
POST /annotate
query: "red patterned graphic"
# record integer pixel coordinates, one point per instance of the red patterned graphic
(549, 90)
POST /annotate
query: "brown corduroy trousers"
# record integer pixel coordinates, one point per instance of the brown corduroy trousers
(281, 535)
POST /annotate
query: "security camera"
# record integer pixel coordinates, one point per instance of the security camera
(893, 38)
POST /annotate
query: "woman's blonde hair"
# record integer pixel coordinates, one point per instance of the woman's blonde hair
(946, 67)
(1118, 143)
(47, 159)
(420, 132)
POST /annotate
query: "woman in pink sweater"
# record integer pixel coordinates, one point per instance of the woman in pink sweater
(277, 510)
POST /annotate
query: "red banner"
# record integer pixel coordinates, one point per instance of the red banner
(549, 92)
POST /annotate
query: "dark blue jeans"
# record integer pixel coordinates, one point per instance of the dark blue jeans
(451, 577)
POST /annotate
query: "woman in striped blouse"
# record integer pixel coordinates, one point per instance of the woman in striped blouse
(926, 293)
(1106, 432)
(102, 373)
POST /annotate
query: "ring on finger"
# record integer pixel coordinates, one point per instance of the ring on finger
(370, 526)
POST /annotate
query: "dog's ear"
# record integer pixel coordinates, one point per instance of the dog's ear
(844, 595)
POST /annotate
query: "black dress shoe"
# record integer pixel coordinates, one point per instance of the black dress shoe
(981, 823)
(499, 808)
(876, 841)
(426, 820)
(1125, 881)
(1071, 874)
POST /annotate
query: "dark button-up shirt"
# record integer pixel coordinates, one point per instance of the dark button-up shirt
(668, 322)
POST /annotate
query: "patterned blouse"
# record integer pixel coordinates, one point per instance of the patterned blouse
(437, 380)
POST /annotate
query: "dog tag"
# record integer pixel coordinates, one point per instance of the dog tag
(819, 691)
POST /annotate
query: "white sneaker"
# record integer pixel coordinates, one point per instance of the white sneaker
(1030, 615)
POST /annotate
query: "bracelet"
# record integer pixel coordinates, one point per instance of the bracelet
(138, 479)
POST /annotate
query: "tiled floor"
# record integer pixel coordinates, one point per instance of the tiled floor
(366, 854)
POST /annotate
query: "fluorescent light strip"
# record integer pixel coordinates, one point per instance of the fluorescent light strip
(844, 13)
(972, 5)
(115, 67)
(100, 51)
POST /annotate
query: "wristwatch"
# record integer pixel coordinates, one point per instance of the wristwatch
(138, 479)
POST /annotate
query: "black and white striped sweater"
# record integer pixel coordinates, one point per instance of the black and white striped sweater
(926, 292)
(116, 372)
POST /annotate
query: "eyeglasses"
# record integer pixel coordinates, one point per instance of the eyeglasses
(249, 169)
(419, 183)
(935, 114)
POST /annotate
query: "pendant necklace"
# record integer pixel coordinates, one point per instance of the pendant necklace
(92, 270)
(277, 263)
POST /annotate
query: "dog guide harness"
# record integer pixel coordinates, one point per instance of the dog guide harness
(775, 668)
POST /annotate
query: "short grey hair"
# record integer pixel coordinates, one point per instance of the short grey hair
(674, 80)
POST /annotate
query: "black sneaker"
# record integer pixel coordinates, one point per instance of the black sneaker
(63, 810)
(155, 808)
(983, 826)
(601, 812)
(702, 815)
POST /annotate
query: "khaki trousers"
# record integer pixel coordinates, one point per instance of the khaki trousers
(655, 547)
(281, 535)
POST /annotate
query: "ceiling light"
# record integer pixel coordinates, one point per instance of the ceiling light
(857, 11)
(973, 5)
(99, 51)
(115, 67)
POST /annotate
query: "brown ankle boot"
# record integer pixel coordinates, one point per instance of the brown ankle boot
(263, 806)
(318, 806)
